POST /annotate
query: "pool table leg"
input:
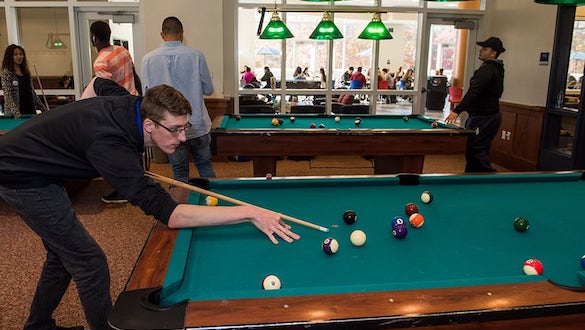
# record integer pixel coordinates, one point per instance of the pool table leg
(264, 165)
(398, 164)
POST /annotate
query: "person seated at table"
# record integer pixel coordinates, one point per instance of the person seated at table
(323, 78)
(298, 74)
(19, 93)
(346, 77)
(357, 80)
(306, 73)
(267, 75)
(102, 136)
(571, 82)
(248, 75)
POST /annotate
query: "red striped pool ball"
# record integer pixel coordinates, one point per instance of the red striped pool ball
(416, 220)
(434, 124)
(533, 267)
(238, 117)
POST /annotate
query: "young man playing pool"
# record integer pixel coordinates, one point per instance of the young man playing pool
(100, 137)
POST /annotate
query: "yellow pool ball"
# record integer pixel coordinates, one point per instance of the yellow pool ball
(211, 201)
(275, 122)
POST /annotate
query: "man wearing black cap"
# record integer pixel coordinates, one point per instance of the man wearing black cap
(482, 103)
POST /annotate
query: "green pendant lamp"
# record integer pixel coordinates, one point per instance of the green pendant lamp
(561, 2)
(326, 30)
(375, 30)
(276, 29)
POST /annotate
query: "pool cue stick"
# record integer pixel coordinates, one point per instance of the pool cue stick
(41, 86)
(174, 182)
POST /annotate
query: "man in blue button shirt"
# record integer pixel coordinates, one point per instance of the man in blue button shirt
(186, 70)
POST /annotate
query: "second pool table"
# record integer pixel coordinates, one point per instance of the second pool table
(463, 267)
(396, 145)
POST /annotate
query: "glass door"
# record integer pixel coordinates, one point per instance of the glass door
(125, 26)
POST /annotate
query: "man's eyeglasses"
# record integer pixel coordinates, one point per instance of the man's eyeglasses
(174, 131)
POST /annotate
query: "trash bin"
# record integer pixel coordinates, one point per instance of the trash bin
(436, 92)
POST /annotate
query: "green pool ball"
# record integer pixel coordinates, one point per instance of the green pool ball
(521, 224)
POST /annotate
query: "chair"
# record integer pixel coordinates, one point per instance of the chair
(256, 108)
(355, 84)
(359, 109)
(318, 109)
(455, 96)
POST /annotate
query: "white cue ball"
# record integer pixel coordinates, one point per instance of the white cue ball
(337, 119)
(358, 238)
(271, 282)
(426, 197)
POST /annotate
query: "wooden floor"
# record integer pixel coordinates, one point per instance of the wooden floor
(122, 229)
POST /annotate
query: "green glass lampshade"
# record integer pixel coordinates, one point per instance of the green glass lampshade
(561, 2)
(326, 29)
(375, 30)
(276, 29)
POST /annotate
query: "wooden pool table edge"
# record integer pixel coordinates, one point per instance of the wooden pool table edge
(508, 305)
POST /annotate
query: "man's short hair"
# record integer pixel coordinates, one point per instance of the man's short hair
(101, 30)
(162, 98)
(172, 25)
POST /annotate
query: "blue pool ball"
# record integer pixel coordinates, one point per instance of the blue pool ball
(399, 231)
(397, 221)
(321, 125)
(583, 261)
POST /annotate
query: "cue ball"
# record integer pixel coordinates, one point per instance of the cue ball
(410, 208)
(583, 261)
(330, 245)
(292, 119)
(211, 201)
(349, 217)
(399, 231)
(521, 224)
(271, 282)
(533, 267)
(275, 121)
(397, 221)
(426, 197)
(337, 119)
(357, 238)
(405, 118)
(357, 122)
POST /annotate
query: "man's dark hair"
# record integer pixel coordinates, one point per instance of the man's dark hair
(172, 25)
(101, 30)
(162, 98)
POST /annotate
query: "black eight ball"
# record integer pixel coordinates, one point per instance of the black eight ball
(349, 217)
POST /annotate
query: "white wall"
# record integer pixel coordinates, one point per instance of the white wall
(203, 25)
(526, 29)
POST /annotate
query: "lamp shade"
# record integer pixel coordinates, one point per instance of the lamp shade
(276, 29)
(326, 29)
(561, 2)
(375, 30)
